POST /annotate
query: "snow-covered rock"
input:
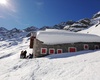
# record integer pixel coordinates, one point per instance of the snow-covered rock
(96, 15)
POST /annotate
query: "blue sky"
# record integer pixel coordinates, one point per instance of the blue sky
(39, 13)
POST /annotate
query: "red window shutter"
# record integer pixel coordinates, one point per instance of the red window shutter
(72, 49)
(59, 51)
(51, 51)
(43, 50)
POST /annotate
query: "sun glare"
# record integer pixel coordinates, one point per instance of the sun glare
(3, 2)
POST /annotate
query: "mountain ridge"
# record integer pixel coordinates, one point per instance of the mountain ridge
(70, 25)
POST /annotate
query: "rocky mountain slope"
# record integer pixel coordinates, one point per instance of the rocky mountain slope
(75, 26)
(95, 28)
(83, 23)
(15, 33)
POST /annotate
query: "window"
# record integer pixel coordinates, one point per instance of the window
(86, 46)
(43, 50)
(71, 49)
(51, 51)
(59, 51)
(96, 47)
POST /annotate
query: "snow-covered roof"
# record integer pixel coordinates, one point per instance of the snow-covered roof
(62, 36)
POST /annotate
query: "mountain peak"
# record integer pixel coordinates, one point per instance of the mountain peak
(32, 28)
(96, 15)
(15, 30)
(98, 12)
(2, 29)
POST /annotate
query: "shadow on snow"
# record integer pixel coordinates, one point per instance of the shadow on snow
(65, 55)
(5, 56)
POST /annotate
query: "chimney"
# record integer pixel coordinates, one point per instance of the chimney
(33, 36)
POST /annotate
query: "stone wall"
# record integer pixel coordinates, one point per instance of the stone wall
(79, 46)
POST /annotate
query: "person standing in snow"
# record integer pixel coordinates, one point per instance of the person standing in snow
(24, 53)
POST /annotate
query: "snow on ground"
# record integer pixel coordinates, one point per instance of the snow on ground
(83, 65)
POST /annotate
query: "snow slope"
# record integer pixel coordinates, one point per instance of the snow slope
(95, 29)
(83, 65)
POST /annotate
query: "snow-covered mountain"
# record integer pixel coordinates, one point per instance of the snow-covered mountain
(2, 29)
(15, 33)
(45, 27)
(75, 26)
(79, 25)
(70, 25)
(30, 29)
(95, 28)
(97, 15)
(83, 23)
(84, 65)
(15, 30)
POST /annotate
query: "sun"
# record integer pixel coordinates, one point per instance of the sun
(3, 2)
